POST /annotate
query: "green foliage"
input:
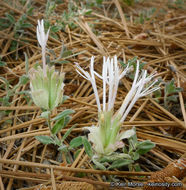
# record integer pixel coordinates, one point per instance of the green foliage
(68, 18)
(61, 120)
(10, 18)
(63, 114)
(132, 62)
(144, 147)
(78, 141)
(129, 2)
(180, 4)
(18, 26)
(23, 79)
(10, 92)
(87, 146)
(63, 148)
(44, 139)
(94, 3)
(76, 154)
(50, 7)
(127, 158)
(170, 88)
(119, 163)
(65, 53)
(170, 93)
(58, 126)
(98, 164)
(67, 133)
(137, 148)
(145, 15)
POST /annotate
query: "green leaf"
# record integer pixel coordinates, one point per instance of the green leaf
(173, 98)
(144, 147)
(5, 101)
(171, 88)
(76, 142)
(10, 18)
(63, 114)
(98, 164)
(137, 168)
(2, 64)
(113, 157)
(88, 148)
(45, 114)
(80, 174)
(26, 25)
(6, 82)
(58, 126)
(99, 2)
(55, 28)
(61, 62)
(157, 93)
(9, 121)
(76, 153)
(134, 139)
(67, 133)
(136, 155)
(66, 53)
(30, 11)
(67, 119)
(125, 151)
(119, 163)
(44, 139)
(129, 2)
(26, 63)
(23, 79)
(124, 65)
(88, 12)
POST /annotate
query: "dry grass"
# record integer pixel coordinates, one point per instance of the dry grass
(160, 41)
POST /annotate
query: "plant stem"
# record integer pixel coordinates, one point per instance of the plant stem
(49, 123)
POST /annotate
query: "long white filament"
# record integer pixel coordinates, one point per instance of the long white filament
(111, 76)
(42, 39)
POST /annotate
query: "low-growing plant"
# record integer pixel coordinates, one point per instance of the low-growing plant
(47, 92)
(170, 93)
(18, 26)
(107, 136)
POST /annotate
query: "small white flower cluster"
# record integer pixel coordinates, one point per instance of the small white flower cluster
(42, 39)
(107, 137)
(46, 84)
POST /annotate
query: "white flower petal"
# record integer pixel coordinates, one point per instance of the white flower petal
(127, 134)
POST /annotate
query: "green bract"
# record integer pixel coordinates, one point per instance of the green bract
(107, 137)
(46, 91)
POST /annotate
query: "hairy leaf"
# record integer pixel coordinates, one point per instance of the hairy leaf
(44, 139)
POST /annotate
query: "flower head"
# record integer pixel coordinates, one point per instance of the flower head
(41, 36)
(107, 136)
(46, 84)
(47, 92)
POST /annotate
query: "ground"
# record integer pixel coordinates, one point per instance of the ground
(150, 31)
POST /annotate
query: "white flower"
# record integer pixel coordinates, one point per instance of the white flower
(46, 84)
(107, 136)
(111, 76)
(41, 36)
(137, 91)
(42, 39)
